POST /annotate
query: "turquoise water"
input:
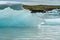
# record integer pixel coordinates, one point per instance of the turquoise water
(21, 33)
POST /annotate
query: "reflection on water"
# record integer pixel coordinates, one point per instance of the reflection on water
(47, 32)
(21, 33)
(43, 32)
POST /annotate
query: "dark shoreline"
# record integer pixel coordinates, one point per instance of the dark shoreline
(41, 8)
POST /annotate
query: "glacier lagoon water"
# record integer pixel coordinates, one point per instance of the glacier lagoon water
(20, 25)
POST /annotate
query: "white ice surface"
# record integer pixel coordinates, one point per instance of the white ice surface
(31, 3)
